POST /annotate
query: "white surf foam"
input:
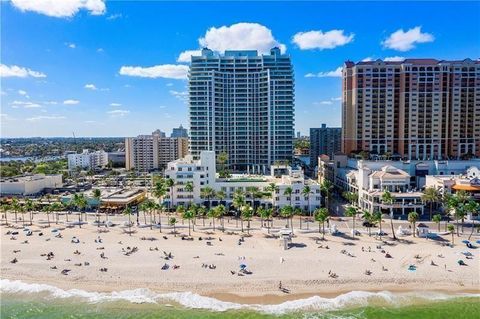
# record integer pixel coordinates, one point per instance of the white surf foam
(195, 301)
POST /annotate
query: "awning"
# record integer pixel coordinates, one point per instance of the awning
(460, 187)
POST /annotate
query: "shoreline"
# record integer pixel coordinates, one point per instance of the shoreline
(210, 268)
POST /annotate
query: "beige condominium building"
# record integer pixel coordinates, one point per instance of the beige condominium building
(152, 152)
(413, 109)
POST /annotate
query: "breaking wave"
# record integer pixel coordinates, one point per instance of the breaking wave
(195, 301)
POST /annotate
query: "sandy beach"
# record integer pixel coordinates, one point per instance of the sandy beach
(210, 267)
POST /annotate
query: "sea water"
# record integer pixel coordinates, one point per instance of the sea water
(24, 300)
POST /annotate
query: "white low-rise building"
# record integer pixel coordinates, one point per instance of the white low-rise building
(202, 173)
(29, 185)
(448, 184)
(87, 160)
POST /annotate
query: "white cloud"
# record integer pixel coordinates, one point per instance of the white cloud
(2, 92)
(404, 41)
(27, 105)
(169, 84)
(45, 117)
(167, 71)
(18, 71)
(394, 58)
(71, 102)
(50, 102)
(114, 16)
(330, 74)
(326, 103)
(240, 36)
(367, 59)
(320, 40)
(182, 96)
(100, 50)
(115, 104)
(185, 56)
(338, 98)
(61, 8)
(118, 113)
(70, 45)
(90, 87)
(22, 92)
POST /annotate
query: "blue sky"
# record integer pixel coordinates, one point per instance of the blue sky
(62, 64)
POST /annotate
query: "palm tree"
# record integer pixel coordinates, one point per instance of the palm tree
(22, 210)
(47, 209)
(81, 203)
(222, 159)
(56, 207)
(287, 212)
(326, 188)
(351, 197)
(306, 191)
(5, 208)
(128, 211)
(431, 196)
(219, 212)
(351, 212)
(298, 212)
(262, 212)
(238, 201)
(159, 190)
(472, 207)
(368, 217)
(412, 218)
(200, 211)
(220, 195)
(288, 192)
(188, 215)
(272, 188)
(189, 188)
(388, 199)
(377, 217)
(437, 218)
(15, 205)
(144, 207)
(173, 221)
(208, 193)
(246, 214)
(321, 216)
(451, 229)
(169, 183)
(29, 207)
(97, 194)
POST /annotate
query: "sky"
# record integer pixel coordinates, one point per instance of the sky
(118, 68)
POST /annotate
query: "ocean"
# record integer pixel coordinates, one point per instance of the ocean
(22, 300)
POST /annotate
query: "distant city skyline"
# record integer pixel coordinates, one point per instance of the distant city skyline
(119, 68)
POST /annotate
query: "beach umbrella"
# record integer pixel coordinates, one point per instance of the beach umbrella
(54, 230)
(478, 241)
(243, 266)
(465, 241)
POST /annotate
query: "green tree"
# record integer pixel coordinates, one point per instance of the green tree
(431, 196)
(298, 212)
(47, 209)
(222, 159)
(412, 218)
(321, 216)
(188, 215)
(326, 188)
(472, 207)
(287, 213)
(170, 183)
(306, 191)
(97, 194)
(388, 199)
(219, 213)
(368, 217)
(128, 212)
(246, 212)
(451, 229)
(377, 218)
(15, 205)
(351, 212)
(172, 221)
(189, 188)
(238, 200)
(207, 193)
(272, 188)
(288, 192)
(437, 218)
